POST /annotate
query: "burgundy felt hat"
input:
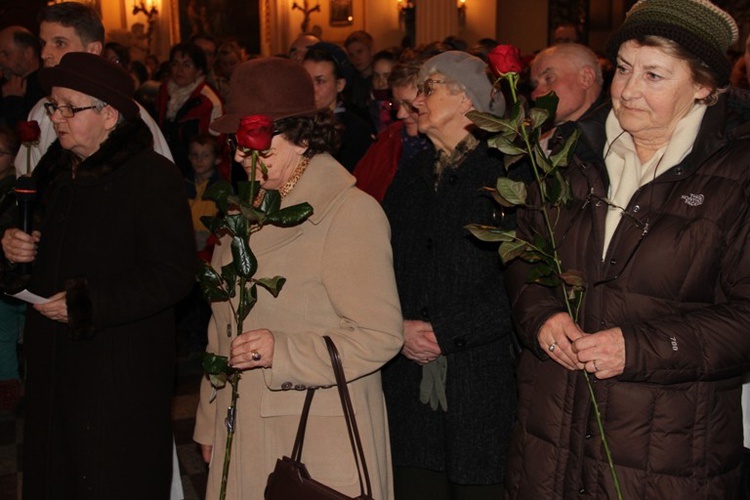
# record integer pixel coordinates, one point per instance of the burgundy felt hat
(93, 75)
(272, 86)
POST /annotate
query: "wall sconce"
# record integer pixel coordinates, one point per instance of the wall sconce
(150, 15)
(405, 9)
(461, 12)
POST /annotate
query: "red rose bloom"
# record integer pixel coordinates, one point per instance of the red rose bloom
(255, 132)
(505, 59)
(28, 132)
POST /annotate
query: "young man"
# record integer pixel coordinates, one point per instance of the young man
(71, 27)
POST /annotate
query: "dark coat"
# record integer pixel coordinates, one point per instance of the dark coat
(448, 278)
(676, 279)
(118, 239)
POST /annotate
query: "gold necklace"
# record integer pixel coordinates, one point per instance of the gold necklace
(298, 171)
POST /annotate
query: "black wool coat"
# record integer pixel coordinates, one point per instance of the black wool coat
(447, 277)
(118, 238)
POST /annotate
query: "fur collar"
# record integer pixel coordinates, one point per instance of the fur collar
(125, 141)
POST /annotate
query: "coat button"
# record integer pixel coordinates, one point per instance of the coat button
(636, 209)
(299, 387)
(286, 386)
(425, 313)
(459, 342)
(612, 262)
(582, 491)
(678, 171)
(588, 436)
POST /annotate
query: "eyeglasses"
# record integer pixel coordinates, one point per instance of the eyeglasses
(66, 111)
(428, 87)
(407, 105)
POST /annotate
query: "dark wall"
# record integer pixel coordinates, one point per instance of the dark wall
(20, 12)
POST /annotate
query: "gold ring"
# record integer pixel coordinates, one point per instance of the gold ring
(255, 355)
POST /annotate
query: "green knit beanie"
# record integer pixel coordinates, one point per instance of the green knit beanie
(699, 26)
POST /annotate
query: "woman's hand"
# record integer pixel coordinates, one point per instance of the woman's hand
(206, 451)
(55, 308)
(556, 337)
(19, 246)
(420, 343)
(603, 352)
(253, 349)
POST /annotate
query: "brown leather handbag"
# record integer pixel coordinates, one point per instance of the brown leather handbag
(290, 479)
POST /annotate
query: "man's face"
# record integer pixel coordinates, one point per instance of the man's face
(13, 59)
(57, 40)
(555, 72)
(299, 47)
(360, 55)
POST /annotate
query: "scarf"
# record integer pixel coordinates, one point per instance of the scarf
(626, 172)
(178, 96)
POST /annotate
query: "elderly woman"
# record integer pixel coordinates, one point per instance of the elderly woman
(112, 251)
(186, 105)
(451, 392)
(340, 283)
(660, 230)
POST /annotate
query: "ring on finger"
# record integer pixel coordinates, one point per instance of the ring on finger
(255, 355)
(552, 347)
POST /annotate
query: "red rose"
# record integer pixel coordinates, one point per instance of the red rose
(28, 132)
(255, 132)
(505, 59)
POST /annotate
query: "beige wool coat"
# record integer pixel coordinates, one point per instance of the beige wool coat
(340, 282)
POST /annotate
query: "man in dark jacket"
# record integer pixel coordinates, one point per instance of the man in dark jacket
(19, 61)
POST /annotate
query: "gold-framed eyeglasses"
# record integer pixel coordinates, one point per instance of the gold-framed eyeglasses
(428, 86)
(66, 111)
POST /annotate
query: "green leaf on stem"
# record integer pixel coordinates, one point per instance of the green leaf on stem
(211, 283)
(490, 233)
(243, 258)
(271, 202)
(510, 160)
(531, 256)
(219, 192)
(236, 224)
(548, 102)
(291, 216)
(509, 250)
(214, 364)
(273, 285)
(538, 116)
(562, 157)
(229, 275)
(252, 214)
(554, 189)
(541, 270)
(248, 298)
(505, 145)
(490, 122)
(213, 224)
(565, 195)
(514, 192)
(541, 159)
(573, 278)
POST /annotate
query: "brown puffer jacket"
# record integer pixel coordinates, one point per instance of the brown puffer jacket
(676, 279)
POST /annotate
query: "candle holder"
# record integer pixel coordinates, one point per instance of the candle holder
(151, 16)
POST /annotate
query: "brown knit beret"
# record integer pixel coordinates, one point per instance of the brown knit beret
(699, 26)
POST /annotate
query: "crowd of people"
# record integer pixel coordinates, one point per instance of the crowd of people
(469, 378)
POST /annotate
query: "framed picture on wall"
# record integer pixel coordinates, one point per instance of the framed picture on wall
(341, 13)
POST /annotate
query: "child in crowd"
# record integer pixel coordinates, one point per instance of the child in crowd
(193, 312)
(12, 312)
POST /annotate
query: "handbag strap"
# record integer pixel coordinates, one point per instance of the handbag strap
(351, 422)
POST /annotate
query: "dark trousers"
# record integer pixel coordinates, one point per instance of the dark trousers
(411, 483)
